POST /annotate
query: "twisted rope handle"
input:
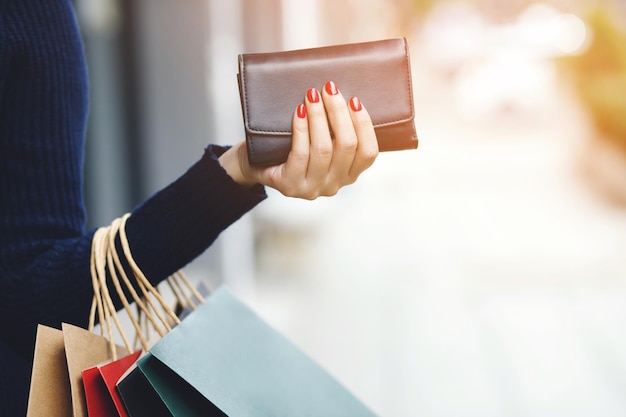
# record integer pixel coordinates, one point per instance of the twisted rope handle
(102, 298)
(157, 314)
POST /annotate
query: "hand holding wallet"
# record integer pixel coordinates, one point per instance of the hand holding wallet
(271, 85)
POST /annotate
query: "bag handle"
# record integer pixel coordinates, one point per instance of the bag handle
(150, 304)
(102, 302)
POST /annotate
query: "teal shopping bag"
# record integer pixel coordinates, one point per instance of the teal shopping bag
(154, 390)
(223, 359)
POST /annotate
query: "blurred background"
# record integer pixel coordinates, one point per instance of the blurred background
(483, 274)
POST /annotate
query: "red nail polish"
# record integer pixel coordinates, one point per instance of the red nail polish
(313, 95)
(331, 88)
(355, 103)
(301, 111)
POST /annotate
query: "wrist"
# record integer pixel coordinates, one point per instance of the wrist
(235, 163)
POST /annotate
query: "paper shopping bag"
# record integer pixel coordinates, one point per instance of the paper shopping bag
(50, 385)
(180, 398)
(83, 350)
(139, 397)
(111, 373)
(97, 398)
(101, 397)
(235, 361)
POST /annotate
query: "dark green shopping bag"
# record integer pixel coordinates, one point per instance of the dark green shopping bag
(224, 360)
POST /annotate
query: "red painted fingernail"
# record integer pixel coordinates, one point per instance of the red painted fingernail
(313, 95)
(331, 88)
(355, 103)
(301, 111)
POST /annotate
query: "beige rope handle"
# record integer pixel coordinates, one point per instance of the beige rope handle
(180, 275)
(104, 257)
(143, 281)
(146, 311)
(96, 304)
(102, 299)
(141, 278)
(152, 309)
(183, 298)
(115, 264)
(113, 269)
(105, 291)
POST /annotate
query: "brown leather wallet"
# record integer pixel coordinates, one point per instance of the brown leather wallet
(271, 85)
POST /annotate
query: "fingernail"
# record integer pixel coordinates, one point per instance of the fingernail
(301, 111)
(331, 88)
(313, 95)
(355, 104)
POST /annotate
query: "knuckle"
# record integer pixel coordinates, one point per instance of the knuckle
(349, 143)
(315, 191)
(332, 191)
(289, 191)
(323, 150)
(350, 178)
(307, 194)
(370, 153)
(299, 190)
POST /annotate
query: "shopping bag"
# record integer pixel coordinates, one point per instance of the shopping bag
(111, 373)
(56, 380)
(93, 360)
(139, 397)
(226, 356)
(144, 401)
(84, 350)
(174, 392)
(50, 385)
(99, 381)
(97, 398)
(74, 364)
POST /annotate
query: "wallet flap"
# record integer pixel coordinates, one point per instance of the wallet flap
(273, 84)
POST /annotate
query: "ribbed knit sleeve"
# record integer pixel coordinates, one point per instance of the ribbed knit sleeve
(189, 214)
(44, 248)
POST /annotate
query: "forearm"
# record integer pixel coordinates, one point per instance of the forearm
(182, 220)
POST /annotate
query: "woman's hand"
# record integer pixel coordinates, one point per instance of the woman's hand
(318, 164)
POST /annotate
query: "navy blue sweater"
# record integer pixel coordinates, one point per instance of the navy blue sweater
(44, 247)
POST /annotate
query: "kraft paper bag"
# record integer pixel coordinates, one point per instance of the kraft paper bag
(50, 385)
(226, 356)
(83, 350)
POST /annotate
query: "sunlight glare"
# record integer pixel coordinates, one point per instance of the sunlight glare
(569, 33)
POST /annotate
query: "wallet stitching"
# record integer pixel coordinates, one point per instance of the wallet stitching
(377, 125)
(245, 94)
(407, 66)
